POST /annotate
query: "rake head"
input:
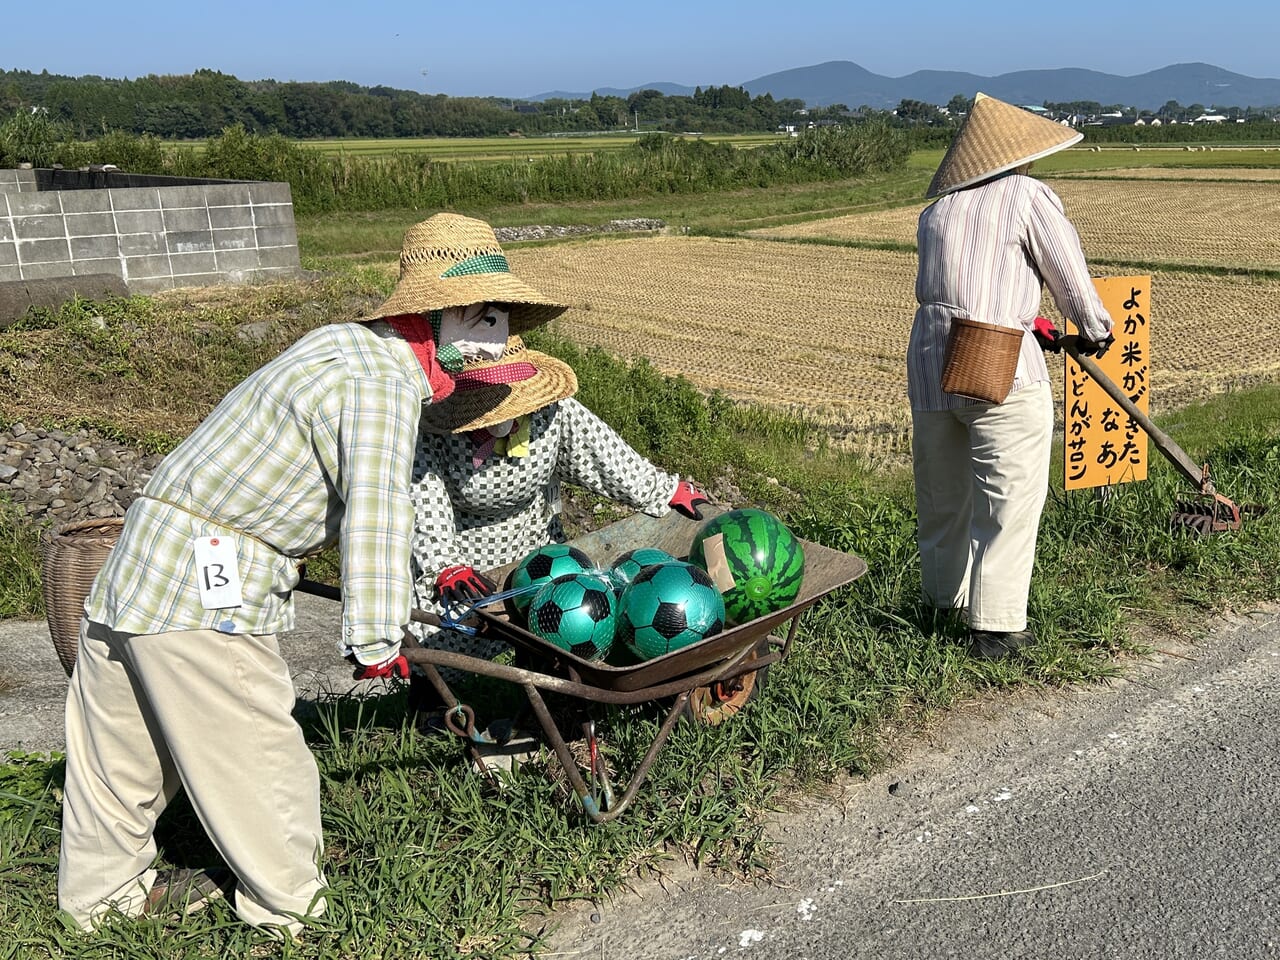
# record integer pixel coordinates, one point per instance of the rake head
(1205, 514)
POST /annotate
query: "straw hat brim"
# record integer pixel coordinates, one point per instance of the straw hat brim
(467, 410)
(995, 138)
(420, 292)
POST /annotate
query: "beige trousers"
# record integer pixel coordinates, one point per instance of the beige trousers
(982, 473)
(207, 712)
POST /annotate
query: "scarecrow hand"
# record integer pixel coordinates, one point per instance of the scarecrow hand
(462, 584)
(1047, 335)
(686, 499)
(397, 666)
(1094, 348)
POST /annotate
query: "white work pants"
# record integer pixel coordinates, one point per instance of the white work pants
(981, 475)
(205, 711)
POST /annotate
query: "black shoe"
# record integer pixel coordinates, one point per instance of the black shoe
(994, 644)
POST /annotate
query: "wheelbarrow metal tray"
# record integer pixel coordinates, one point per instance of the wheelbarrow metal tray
(825, 570)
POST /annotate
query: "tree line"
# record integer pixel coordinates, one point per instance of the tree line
(201, 104)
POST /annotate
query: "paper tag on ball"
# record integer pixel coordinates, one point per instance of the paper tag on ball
(717, 565)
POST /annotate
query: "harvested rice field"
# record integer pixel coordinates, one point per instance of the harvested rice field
(1208, 224)
(1176, 173)
(824, 330)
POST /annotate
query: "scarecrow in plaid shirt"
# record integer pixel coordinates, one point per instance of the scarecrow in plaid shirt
(179, 683)
(492, 458)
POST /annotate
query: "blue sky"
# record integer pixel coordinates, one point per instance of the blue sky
(502, 48)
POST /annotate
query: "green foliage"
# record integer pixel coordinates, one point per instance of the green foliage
(20, 590)
(29, 136)
(656, 164)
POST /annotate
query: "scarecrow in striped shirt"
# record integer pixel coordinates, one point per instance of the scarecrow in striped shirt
(492, 459)
(987, 246)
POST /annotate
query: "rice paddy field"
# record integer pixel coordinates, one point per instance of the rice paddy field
(1228, 223)
(821, 326)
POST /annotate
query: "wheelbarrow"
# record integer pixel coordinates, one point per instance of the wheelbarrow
(709, 680)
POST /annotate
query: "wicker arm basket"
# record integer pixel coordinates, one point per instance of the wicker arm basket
(981, 360)
(73, 553)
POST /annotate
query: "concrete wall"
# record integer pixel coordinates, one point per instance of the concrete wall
(18, 181)
(154, 237)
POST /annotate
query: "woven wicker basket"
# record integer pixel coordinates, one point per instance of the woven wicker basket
(981, 360)
(73, 555)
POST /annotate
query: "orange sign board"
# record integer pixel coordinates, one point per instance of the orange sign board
(1104, 446)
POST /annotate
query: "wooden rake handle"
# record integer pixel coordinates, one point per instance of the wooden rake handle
(1196, 474)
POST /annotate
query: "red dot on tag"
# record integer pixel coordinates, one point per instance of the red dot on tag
(213, 541)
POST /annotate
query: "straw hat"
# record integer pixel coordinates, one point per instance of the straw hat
(489, 392)
(453, 261)
(994, 138)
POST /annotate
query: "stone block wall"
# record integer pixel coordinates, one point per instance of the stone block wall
(18, 181)
(167, 233)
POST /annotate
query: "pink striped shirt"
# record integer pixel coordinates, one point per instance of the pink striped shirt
(985, 253)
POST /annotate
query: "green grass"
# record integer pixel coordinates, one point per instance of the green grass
(413, 838)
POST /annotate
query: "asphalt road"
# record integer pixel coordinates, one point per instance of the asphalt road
(1137, 820)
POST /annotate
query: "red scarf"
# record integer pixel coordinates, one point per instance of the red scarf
(417, 332)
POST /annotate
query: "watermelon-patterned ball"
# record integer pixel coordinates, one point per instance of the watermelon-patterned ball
(628, 566)
(755, 560)
(576, 612)
(542, 565)
(668, 606)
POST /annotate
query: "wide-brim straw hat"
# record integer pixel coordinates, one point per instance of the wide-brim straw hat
(476, 403)
(997, 137)
(454, 261)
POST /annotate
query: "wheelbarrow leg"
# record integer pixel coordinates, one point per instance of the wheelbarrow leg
(589, 804)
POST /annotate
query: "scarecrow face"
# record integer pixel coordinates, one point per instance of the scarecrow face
(479, 331)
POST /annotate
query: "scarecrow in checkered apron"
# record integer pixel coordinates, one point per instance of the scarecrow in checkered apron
(492, 458)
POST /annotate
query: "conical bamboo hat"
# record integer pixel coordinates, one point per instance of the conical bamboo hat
(994, 138)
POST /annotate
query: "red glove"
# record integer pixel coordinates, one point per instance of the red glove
(686, 499)
(1047, 335)
(461, 584)
(397, 666)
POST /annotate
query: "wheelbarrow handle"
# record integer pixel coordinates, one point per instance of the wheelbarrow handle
(1195, 474)
(328, 592)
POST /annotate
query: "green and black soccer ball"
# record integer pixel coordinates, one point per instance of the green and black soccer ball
(756, 560)
(540, 566)
(577, 612)
(667, 607)
(628, 566)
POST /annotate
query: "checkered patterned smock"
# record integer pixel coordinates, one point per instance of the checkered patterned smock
(316, 445)
(494, 514)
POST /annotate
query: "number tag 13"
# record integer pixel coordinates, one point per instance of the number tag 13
(217, 574)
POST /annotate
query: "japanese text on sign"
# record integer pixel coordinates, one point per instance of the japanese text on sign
(1104, 445)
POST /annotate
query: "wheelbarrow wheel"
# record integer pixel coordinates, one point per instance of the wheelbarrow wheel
(713, 705)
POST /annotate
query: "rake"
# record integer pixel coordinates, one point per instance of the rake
(1204, 512)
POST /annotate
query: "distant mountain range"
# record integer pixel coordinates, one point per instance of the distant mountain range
(840, 81)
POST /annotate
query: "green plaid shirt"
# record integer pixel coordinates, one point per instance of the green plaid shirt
(315, 446)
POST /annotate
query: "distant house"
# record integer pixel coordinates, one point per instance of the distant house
(527, 108)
